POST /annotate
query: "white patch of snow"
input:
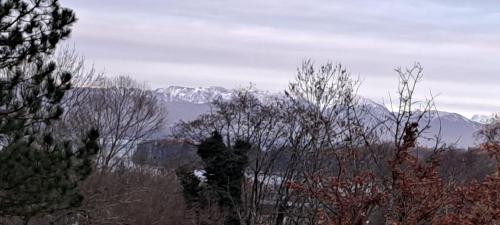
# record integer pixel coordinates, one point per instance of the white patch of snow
(200, 174)
(481, 118)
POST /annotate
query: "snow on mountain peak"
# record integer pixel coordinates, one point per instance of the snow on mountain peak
(202, 95)
(186, 103)
(198, 95)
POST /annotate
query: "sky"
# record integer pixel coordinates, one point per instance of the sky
(233, 43)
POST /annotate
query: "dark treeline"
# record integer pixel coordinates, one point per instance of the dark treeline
(314, 155)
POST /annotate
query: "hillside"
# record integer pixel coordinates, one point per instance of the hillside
(186, 103)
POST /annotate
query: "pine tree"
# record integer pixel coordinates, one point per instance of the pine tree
(191, 187)
(39, 173)
(224, 172)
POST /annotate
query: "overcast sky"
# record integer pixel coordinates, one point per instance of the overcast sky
(232, 43)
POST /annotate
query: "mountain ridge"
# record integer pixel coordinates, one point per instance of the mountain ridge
(186, 103)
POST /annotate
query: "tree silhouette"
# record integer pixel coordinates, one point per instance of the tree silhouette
(39, 173)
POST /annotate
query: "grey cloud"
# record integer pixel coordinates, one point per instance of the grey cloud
(231, 42)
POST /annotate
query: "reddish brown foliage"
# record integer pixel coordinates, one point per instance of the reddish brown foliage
(413, 193)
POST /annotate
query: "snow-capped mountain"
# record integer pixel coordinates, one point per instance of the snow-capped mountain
(201, 95)
(185, 103)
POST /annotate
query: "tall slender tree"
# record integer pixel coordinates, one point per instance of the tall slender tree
(39, 173)
(224, 173)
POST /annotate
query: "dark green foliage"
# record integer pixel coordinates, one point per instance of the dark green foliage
(39, 173)
(225, 172)
(191, 186)
(30, 28)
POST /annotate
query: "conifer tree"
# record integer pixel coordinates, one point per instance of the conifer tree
(191, 186)
(224, 172)
(39, 173)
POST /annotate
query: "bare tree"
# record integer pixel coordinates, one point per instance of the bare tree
(133, 195)
(400, 187)
(326, 129)
(124, 111)
(254, 120)
(290, 135)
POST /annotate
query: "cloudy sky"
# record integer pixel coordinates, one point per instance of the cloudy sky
(231, 43)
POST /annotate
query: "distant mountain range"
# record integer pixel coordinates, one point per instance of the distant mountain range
(186, 103)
